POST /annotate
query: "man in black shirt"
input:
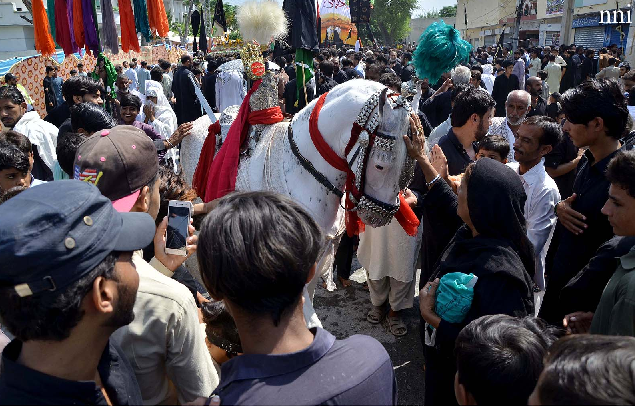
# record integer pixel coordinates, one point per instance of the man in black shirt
(50, 100)
(503, 84)
(78, 89)
(538, 105)
(347, 67)
(209, 83)
(408, 70)
(68, 284)
(596, 116)
(325, 81)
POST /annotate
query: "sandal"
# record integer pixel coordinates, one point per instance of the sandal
(375, 315)
(396, 326)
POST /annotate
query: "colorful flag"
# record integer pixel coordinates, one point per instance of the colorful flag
(304, 70)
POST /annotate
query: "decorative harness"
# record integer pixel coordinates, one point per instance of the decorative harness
(365, 134)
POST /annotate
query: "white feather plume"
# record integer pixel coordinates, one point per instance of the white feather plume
(261, 21)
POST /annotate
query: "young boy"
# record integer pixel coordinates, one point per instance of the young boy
(15, 168)
(494, 147)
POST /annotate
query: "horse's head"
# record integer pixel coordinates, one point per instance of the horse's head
(375, 150)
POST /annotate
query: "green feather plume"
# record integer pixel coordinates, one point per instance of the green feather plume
(440, 49)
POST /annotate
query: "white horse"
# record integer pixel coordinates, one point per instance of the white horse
(284, 158)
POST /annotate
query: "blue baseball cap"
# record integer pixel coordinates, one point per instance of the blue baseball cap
(53, 234)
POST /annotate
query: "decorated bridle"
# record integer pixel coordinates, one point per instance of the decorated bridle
(369, 140)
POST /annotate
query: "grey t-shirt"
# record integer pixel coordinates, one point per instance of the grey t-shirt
(356, 370)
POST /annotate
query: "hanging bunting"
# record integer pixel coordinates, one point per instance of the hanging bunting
(129, 38)
(62, 28)
(158, 18)
(78, 23)
(43, 41)
(69, 15)
(141, 18)
(195, 19)
(109, 28)
(91, 36)
(202, 42)
(50, 12)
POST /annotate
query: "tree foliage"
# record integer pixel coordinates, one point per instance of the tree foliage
(448, 11)
(390, 19)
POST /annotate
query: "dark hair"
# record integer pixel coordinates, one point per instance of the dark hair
(256, 249)
(156, 74)
(281, 61)
(91, 118)
(49, 69)
(390, 80)
(597, 98)
(621, 171)
(585, 369)
(36, 318)
(12, 93)
(347, 62)
(499, 357)
(220, 327)
(551, 133)
(80, 65)
(326, 68)
(165, 65)
(134, 60)
(19, 140)
(185, 58)
(553, 110)
(556, 96)
(475, 75)
(495, 143)
(506, 63)
(12, 158)
(144, 63)
(551, 57)
(14, 191)
(471, 101)
(67, 146)
(543, 75)
(8, 77)
(612, 61)
(79, 86)
(173, 187)
(382, 59)
(130, 100)
(477, 66)
(73, 72)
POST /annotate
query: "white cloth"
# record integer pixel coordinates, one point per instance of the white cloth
(389, 251)
(357, 45)
(554, 74)
(487, 77)
(41, 134)
(132, 75)
(535, 65)
(231, 89)
(165, 343)
(560, 61)
(438, 132)
(610, 72)
(499, 126)
(542, 197)
(164, 118)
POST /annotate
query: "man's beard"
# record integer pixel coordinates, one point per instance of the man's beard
(481, 131)
(517, 121)
(124, 309)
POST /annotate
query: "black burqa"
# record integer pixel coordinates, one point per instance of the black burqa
(302, 17)
(501, 256)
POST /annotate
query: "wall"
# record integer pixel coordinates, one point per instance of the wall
(419, 25)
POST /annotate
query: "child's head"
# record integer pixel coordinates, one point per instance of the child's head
(542, 75)
(15, 167)
(221, 331)
(499, 359)
(494, 147)
(554, 97)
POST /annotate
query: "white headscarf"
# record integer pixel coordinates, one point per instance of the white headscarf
(165, 119)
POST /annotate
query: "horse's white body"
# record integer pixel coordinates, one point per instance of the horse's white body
(271, 165)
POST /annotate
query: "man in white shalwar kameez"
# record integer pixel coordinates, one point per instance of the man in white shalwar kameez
(389, 256)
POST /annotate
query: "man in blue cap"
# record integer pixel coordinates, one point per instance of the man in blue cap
(67, 283)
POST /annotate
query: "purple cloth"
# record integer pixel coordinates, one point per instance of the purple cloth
(150, 132)
(90, 30)
(109, 29)
(69, 9)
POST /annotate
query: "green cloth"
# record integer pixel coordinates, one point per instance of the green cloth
(615, 314)
(50, 12)
(454, 296)
(58, 173)
(303, 63)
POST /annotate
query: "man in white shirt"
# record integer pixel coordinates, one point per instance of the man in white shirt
(131, 74)
(534, 63)
(554, 74)
(517, 106)
(536, 137)
(143, 74)
(559, 60)
(165, 343)
(42, 134)
(519, 69)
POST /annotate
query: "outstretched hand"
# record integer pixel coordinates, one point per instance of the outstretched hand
(439, 161)
(172, 261)
(416, 145)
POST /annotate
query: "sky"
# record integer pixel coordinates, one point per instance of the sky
(423, 4)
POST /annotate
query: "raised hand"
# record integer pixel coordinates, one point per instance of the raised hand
(439, 161)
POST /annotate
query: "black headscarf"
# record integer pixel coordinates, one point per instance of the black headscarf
(496, 201)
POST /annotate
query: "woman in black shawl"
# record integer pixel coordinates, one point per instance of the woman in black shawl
(492, 244)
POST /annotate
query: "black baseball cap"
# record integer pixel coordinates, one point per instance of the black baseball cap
(53, 234)
(119, 161)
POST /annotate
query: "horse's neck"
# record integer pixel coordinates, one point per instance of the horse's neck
(305, 188)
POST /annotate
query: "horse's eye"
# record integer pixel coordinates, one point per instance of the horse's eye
(379, 167)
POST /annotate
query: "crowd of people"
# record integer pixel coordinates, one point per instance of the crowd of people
(524, 187)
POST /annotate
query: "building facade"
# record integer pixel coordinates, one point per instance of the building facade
(481, 22)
